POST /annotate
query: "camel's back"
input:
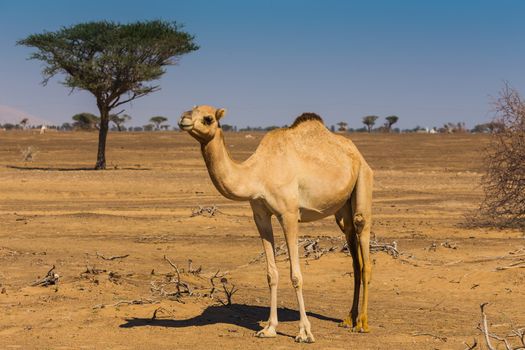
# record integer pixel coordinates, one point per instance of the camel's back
(316, 165)
(309, 140)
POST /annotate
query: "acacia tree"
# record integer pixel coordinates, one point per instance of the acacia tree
(157, 120)
(370, 121)
(119, 120)
(115, 62)
(86, 121)
(342, 126)
(391, 120)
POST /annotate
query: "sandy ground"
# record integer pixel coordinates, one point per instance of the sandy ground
(52, 212)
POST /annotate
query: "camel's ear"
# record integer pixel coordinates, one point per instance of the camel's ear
(220, 113)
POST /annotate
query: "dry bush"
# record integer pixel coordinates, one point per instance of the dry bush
(504, 180)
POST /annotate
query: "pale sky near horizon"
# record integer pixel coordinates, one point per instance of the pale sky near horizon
(428, 62)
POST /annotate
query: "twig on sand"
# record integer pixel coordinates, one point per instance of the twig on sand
(50, 278)
(516, 265)
(206, 211)
(443, 339)
(473, 346)
(483, 327)
(127, 302)
(389, 248)
(228, 292)
(160, 309)
(111, 257)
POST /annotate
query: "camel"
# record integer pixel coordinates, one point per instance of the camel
(299, 174)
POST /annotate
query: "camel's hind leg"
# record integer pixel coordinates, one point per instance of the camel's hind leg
(362, 212)
(345, 220)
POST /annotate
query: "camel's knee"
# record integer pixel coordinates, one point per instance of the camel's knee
(273, 278)
(297, 280)
(359, 222)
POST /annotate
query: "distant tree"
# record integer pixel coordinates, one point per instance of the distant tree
(490, 127)
(115, 62)
(332, 128)
(86, 121)
(23, 122)
(391, 120)
(119, 120)
(158, 120)
(342, 126)
(370, 121)
(138, 128)
(148, 127)
(9, 126)
(66, 127)
(227, 127)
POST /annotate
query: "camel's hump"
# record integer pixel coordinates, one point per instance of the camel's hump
(306, 117)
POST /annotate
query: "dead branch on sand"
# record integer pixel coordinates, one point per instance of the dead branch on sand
(111, 257)
(127, 302)
(50, 278)
(175, 288)
(312, 248)
(389, 248)
(471, 347)
(228, 292)
(438, 337)
(515, 333)
(516, 265)
(206, 211)
(161, 309)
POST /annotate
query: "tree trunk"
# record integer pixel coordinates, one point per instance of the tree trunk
(102, 135)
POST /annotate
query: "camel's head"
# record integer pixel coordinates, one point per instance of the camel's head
(202, 122)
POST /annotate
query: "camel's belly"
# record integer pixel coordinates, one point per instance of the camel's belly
(311, 214)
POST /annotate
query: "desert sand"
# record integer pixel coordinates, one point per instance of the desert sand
(53, 211)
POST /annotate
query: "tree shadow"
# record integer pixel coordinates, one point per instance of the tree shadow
(69, 169)
(242, 315)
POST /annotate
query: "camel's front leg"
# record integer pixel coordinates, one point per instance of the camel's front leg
(263, 220)
(289, 223)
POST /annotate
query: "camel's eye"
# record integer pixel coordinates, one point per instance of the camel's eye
(207, 120)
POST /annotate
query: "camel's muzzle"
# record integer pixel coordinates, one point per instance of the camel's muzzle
(185, 123)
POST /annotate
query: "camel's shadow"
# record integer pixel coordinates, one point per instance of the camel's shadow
(247, 316)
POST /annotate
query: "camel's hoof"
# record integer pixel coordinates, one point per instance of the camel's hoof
(304, 337)
(266, 332)
(346, 323)
(360, 329)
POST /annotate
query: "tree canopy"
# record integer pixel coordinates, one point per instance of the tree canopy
(391, 120)
(370, 121)
(86, 121)
(157, 120)
(116, 62)
(119, 120)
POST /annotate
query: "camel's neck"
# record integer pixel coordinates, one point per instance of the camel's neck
(232, 180)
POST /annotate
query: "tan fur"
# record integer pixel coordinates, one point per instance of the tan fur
(302, 173)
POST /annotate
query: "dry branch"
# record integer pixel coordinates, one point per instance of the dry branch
(206, 211)
(389, 248)
(438, 337)
(111, 257)
(50, 278)
(312, 248)
(517, 333)
(127, 302)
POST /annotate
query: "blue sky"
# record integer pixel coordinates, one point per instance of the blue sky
(429, 62)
